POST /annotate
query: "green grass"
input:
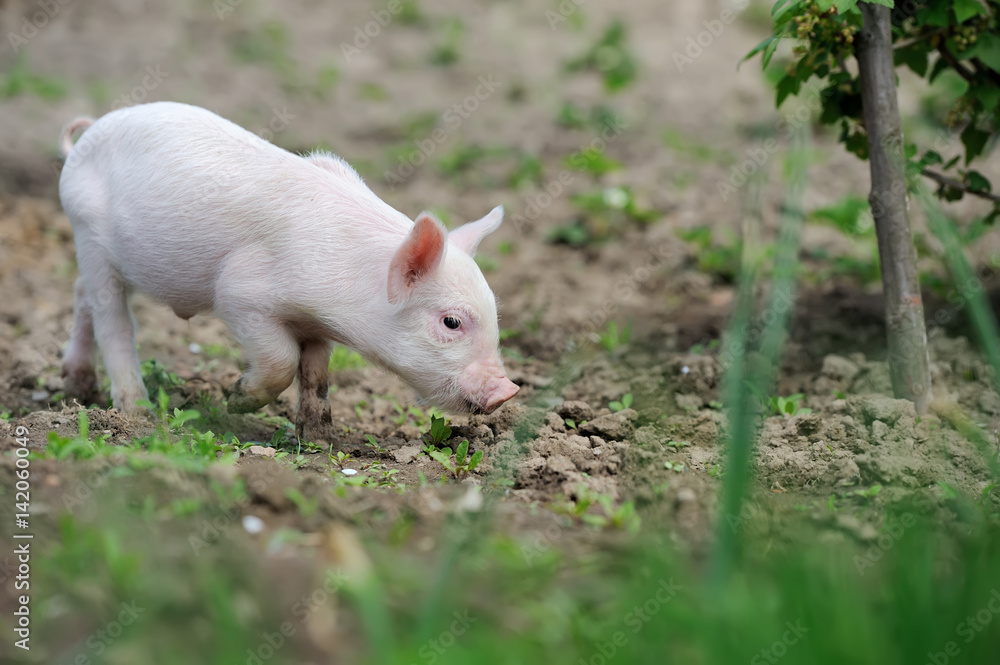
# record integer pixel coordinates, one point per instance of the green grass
(20, 80)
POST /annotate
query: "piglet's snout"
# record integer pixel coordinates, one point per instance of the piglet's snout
(502, 390)
(487, 387)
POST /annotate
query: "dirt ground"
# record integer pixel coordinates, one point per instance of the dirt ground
(683, 132)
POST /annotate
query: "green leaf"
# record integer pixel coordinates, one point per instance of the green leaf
(843, 214)
(974, 142)
(977, 182)
(462, 453)
(843, 6)
(477, 457)
(930, 157)
(782, 13)
(988, 94)
(914, 57)
(936, 15)
(885, 3)
(770, 42)
(787, 86)
(966, 9)
(987, 49)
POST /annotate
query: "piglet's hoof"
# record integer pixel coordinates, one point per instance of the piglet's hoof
(241, 402)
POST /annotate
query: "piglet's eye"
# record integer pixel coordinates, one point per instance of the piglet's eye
(452, 322)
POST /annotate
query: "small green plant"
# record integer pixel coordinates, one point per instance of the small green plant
(438, 432)
(375, 447)
(343, 358)
(157, 377)
(446, 50)
(788, 406)
(307, 507)
(625, 403)
(79, 446)
(615, 337)
(721, 261)
(622, 517)
(869, 493)
(19, 80)
(594, 162)
(177, 420)
(570, 423)
(610, 57)
(340, 459)
(677, 467)
(462, 465)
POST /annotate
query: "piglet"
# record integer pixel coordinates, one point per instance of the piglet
(293, 253)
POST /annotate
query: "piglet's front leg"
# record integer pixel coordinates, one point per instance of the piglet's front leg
(314, 421)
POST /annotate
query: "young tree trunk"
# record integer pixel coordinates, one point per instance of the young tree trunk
(904, 310)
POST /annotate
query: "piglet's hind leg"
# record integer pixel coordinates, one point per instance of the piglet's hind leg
(314, 421)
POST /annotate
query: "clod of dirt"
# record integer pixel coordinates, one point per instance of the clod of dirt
(612, 427)
(267, 481)
(264, 451)
(881, 408)
(691, 402)
(575, 410)
(406, 454)
(838, 373)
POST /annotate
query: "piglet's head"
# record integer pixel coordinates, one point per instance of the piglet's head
(445, 340)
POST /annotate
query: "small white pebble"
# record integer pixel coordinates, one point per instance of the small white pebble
(194, 347)
(40, 395)
(349, 472)
(253, 524)
(597, 452)
(685, 369)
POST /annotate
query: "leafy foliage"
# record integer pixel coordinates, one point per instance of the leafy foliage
(462, 465)
(930, 38)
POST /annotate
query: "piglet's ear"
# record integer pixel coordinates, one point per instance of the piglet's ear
(418, 256)
(468, 236)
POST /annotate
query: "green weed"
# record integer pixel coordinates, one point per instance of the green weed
(462, 465)
(625, 403)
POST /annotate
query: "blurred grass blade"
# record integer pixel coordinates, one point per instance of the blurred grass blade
(744, 380)
(984, 322)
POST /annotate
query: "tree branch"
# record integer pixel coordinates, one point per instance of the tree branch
(959, 185)
(954, 63)
(983, 69)
(919, 38)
